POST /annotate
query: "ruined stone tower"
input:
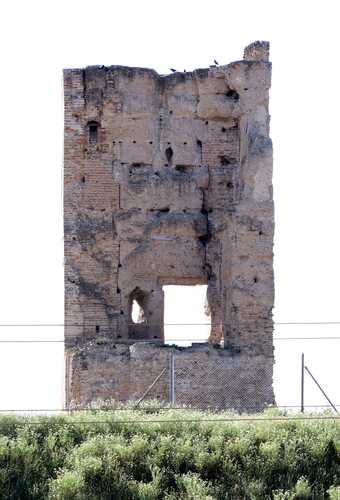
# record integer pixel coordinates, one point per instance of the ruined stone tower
(168, 181)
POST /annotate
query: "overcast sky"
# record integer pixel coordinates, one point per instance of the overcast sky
(40, 38)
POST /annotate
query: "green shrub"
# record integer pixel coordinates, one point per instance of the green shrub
(110, 455)
(67, 486)
(191, 487)
(302, 490)
(334, 493)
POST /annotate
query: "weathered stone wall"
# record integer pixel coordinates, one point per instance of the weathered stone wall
(204, 376)
(168, 180)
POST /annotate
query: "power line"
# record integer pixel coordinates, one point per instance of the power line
(136, 341)
(306, 338)
(147, 409)
(83, 325)
(306, 323)
(185, 421)
(32, 341)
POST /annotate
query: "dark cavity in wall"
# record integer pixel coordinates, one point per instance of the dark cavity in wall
(205, 238)
(182, 168)
(225, 161)
(233, 95)
(169, 154)
(93, 132)
(200, 150)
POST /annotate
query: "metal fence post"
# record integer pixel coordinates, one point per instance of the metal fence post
(172, 379)
(302, 382)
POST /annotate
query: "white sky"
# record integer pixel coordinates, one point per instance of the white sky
(39, 38)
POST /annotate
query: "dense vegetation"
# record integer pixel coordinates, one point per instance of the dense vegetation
(167, 454)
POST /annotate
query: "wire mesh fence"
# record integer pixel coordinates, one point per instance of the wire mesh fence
(32, 373)
(218, 386)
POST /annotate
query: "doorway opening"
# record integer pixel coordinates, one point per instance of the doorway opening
(186, 314)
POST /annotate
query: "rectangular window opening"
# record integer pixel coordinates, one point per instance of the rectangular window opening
(186, 314)
(93, 133)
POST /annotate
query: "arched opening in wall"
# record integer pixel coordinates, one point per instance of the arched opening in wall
(138, 306)
(186, 314)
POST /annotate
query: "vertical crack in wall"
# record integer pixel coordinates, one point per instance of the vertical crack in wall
(205, 239)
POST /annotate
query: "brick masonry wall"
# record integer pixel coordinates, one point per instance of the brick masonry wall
(168, 180)
(204, 376)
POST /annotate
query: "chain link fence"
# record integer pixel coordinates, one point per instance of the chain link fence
(32, 373)
(225, 384)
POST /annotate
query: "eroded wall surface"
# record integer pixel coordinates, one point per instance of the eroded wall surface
(203, 376)
(168, 180)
